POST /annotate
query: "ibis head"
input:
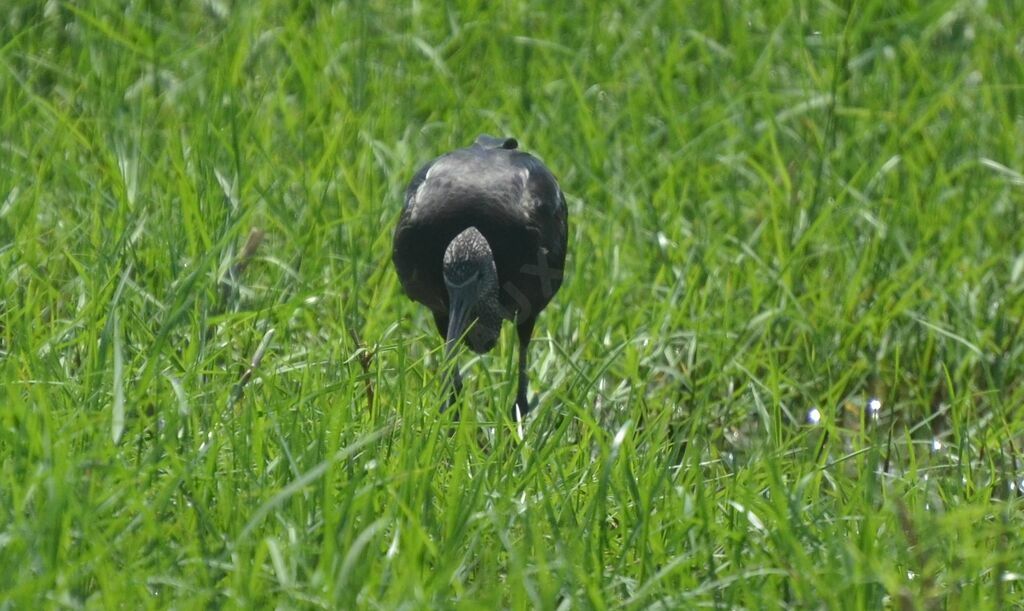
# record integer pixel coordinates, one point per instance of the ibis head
(471, 277)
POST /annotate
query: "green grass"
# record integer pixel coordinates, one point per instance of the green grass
(775, 208)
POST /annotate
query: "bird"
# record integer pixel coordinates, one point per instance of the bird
(482, 239)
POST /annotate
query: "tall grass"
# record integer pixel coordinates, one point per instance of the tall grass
(785, 369)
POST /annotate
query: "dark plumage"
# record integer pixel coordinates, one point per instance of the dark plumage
(482, 239)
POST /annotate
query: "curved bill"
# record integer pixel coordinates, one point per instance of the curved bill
(458, 318)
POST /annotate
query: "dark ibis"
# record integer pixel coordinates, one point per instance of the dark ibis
(481, 240)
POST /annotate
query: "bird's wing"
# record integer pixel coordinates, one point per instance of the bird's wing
(416, 182)
(545, 202)
(542, 195)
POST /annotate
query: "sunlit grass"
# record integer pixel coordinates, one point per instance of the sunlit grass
(776, 211)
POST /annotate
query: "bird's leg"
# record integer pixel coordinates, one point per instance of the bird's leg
(522, 405)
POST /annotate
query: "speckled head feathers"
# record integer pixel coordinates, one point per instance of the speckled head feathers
(466, 255)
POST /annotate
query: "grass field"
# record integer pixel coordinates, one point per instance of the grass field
(786, 369)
